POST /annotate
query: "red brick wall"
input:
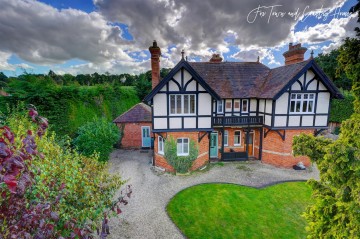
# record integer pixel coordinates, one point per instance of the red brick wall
(132, 134)
(279, 153)
(203, 157)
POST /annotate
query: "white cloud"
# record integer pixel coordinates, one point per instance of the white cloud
(252, 53)
(6, 66)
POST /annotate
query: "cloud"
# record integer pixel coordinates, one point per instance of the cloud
(41, 34)
(6, 66)
(202, 24)
(334, 31)
(252, 53)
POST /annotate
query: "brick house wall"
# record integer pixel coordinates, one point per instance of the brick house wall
(203, 156)
(279, 153)
(132, 134)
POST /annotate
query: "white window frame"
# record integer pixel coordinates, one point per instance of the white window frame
(182, 146)
(226, 108)
(237, 109)
(300, 98)
(182, 107)
(247, 106)
(226, 138)
(161, 145)
(239, 144)
(220, 102)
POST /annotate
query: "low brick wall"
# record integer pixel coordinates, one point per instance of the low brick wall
(279, 153)
(203, 157)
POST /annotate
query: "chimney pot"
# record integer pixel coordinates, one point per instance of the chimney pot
(295, 54)
(216, 58)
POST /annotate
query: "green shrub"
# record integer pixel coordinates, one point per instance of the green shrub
(98, 136)
(89, 188)
(181, 164)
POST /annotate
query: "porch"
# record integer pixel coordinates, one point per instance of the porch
(236, 144)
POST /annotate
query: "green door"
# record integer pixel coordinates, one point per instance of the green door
(213, 145)
(145, 135)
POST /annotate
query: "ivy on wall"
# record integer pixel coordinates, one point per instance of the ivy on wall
(181, 164)
(342, 109)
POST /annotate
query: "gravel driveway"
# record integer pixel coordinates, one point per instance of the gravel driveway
(145, 215)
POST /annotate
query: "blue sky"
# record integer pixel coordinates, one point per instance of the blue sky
(74, 36)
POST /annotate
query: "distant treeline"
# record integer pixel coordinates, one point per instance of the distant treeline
(71, 101)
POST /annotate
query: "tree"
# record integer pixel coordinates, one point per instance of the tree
(99, 137)
(143, 85)
(328, 62)
(356, 9)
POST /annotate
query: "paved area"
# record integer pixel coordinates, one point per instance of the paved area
(145, 215)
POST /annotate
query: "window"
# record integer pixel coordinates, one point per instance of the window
(220, 106)
(226, 138)
(182, 104)
(236, 105)
(228, 105)
(245, 106)
(302, 103)
(160, 145)
(237, 138)
(183, 146)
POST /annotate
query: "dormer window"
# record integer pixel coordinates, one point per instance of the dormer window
(220, 106)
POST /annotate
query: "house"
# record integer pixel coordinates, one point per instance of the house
(238, 110)
(135, 125)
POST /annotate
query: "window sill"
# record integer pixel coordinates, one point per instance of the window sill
(182, 155)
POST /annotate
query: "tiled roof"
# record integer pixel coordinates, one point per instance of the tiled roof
(231, 79)
(138, 113)
(246, 79)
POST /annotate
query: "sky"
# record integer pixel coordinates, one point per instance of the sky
(84, 36)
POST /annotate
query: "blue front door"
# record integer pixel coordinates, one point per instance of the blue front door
(145, 135)
(213, 145)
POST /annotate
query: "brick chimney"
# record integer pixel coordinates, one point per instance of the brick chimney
(155, 64)
(216, 58)
(295, 54)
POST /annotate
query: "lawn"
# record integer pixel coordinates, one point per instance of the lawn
(233, 211)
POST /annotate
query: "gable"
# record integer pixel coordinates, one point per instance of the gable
(182, 78)
(306, 77)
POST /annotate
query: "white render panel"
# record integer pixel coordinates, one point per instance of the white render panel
(253, 104)
(173, 86)
(268, 106)
(312, 85)
(187, 76)
(310, 75)
(160, 105)
(175, 123)
(190, 123)
(321, 120)
(307, 120)
(294, 120)
(302, 79)
(204, 122)
(280, 121)
(204, 105)
(268, 120)
(201, 88)
(160, 123)
(281, 106)
(323, 102)
(262, 106)
(191, 86)
(321, 86)
(177, 77)
(296, 86)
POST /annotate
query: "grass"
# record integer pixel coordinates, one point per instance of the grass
(233, 211)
